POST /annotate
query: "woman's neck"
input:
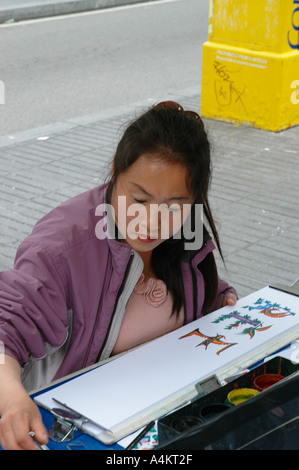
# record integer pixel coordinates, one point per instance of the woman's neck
(147, 267)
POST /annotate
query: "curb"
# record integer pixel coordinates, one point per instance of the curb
(35, 9)
(124, 110)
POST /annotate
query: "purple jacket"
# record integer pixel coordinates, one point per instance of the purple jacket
(61, 306)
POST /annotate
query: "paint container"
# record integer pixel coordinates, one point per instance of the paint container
(213, 409)
(261, 382)
(183, 423)
(235, 397)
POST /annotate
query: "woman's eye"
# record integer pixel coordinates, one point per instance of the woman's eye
(139, 201)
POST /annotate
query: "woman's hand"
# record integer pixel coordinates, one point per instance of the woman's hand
(19, 414)
(229, 300)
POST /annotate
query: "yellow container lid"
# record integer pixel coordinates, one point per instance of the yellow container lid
(235, 397)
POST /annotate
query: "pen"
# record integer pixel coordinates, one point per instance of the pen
(39, 446)
(140, 435)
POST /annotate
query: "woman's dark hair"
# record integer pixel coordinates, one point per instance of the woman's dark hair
(175, 137)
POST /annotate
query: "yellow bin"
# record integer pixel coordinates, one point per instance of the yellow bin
(250, 71)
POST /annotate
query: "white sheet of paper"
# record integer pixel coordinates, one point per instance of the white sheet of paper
(120, 389)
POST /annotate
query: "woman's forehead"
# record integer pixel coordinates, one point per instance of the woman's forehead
(155, 175)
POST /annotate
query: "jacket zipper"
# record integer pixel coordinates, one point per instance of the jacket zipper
(194, 292)
(115, 305)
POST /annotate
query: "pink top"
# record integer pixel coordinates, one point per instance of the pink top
(148, 315)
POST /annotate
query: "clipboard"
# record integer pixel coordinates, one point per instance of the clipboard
(123, 395)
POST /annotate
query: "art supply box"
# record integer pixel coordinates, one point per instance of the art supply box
(268, 420)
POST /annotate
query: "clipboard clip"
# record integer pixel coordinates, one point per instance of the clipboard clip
(62, 429)
(67, 421)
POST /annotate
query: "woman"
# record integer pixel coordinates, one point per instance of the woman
(93, 280)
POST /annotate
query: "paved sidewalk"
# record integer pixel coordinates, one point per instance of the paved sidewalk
(254, 191)
(20, 10)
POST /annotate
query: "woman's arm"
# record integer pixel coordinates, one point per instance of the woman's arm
(19, 414)
(33, 305)
(33, 313)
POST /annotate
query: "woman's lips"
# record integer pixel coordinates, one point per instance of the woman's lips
(145, 239)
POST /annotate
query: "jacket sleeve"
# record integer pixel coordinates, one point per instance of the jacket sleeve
(33, 304)
(223, 290)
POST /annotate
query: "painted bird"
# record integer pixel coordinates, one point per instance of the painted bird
(251, 331)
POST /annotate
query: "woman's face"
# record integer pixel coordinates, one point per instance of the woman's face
(148, 200)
